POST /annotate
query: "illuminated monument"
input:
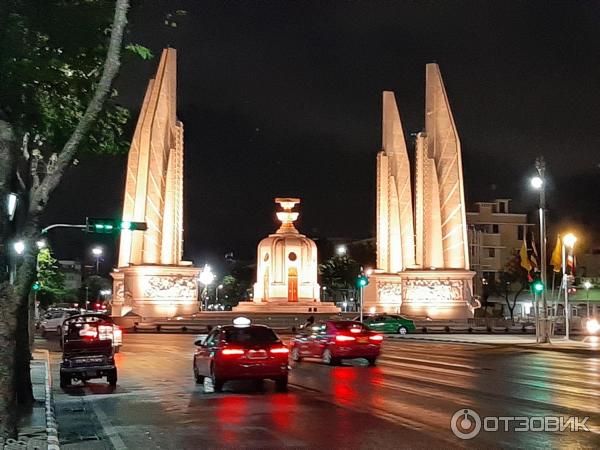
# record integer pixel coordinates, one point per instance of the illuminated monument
(151, 279)
(422, 252)
(286, 270)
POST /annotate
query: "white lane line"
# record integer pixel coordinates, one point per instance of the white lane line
(108, 428)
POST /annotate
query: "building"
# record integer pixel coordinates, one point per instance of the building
(495, 236)
(72, 271)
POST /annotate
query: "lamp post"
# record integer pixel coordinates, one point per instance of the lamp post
(587, 285)
(206, 278)
(217, 292)
(539, 183)
(97, 252)
(341, 250)
(568, 241)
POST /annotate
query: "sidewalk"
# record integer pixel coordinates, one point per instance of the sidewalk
(591, 345)
(37, 428)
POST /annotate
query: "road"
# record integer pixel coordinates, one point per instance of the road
(407, 400)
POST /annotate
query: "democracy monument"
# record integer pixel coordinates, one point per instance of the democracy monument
(422, 251)
(151, 280)
(286, 270)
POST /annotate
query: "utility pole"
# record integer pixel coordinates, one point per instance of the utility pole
(540, 165)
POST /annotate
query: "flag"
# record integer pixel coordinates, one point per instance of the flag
(534, 255)
(525, 263)
(571, 261)
(556, 258)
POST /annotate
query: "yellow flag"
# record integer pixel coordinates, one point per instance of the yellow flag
(525, 263)
(556, 258)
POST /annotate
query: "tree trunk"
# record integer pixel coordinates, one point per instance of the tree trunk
(8, 325)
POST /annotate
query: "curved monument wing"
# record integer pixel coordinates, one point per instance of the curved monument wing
(444, 148)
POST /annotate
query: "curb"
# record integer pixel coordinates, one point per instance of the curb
(531, 346)
(51, 424)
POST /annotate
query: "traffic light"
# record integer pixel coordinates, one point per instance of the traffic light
(109, 226)
(537, 286)
(36, 286)
(362, 280)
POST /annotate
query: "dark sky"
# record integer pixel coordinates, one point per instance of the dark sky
(284, 98)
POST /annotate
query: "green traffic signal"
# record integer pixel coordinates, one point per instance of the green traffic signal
(362, 281)
(538, 286)
(36, 286)
(109, 226)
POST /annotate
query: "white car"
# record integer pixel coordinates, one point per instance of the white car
(53, 320)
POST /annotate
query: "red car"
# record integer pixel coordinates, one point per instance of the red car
(241, 351)
(333, 341)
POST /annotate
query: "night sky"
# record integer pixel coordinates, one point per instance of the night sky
(284, 98)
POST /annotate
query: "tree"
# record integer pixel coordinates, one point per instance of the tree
(50, 279)
(53, 90)
(339, 273)
(513, 281)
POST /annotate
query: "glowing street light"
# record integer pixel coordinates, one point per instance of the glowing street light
(537, 182)
(97, 252)
(19, 247)
(217, 292)
(568, 241)
(206, 278)
(40, 244)
(341, 250)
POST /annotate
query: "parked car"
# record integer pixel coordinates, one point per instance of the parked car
(335, 340)
(53, 319)
(88, 350)
(389, 323)
(241, 351)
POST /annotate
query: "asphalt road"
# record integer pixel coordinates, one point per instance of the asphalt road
(408, 400)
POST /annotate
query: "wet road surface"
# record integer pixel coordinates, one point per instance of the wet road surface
(407, 400)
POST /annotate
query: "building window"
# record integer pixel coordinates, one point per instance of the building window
(495, 228)
(491, 252)
(520, 233)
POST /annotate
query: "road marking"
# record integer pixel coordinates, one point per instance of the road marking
(108, 428)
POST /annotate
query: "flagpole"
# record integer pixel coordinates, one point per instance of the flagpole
(540, 165)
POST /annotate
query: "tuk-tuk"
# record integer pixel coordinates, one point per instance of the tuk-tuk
(88, 350)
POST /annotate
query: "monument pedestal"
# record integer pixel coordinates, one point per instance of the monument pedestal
(437, 294)
(155, 290)
(283, 306)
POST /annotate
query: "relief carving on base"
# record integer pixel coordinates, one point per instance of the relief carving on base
(119, 292)
(171, 287)
(389, 292)
(427, 291)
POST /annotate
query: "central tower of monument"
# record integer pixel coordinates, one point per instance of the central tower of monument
(422, 251)
(151, 279)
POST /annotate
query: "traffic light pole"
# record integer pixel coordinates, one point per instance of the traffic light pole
(361, 303)
(62, 225)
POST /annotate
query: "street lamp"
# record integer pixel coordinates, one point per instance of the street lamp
(587, 285)
(97, 252)
(568, 241)
(341, 250)
(539, 183)
(41, 244)
(217, 292)
(19, 247)
(206, 278)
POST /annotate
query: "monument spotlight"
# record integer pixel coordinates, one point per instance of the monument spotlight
(537, 182)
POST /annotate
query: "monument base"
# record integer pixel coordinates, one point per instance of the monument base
(155, 290)
(283, 306)
(436, 294)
